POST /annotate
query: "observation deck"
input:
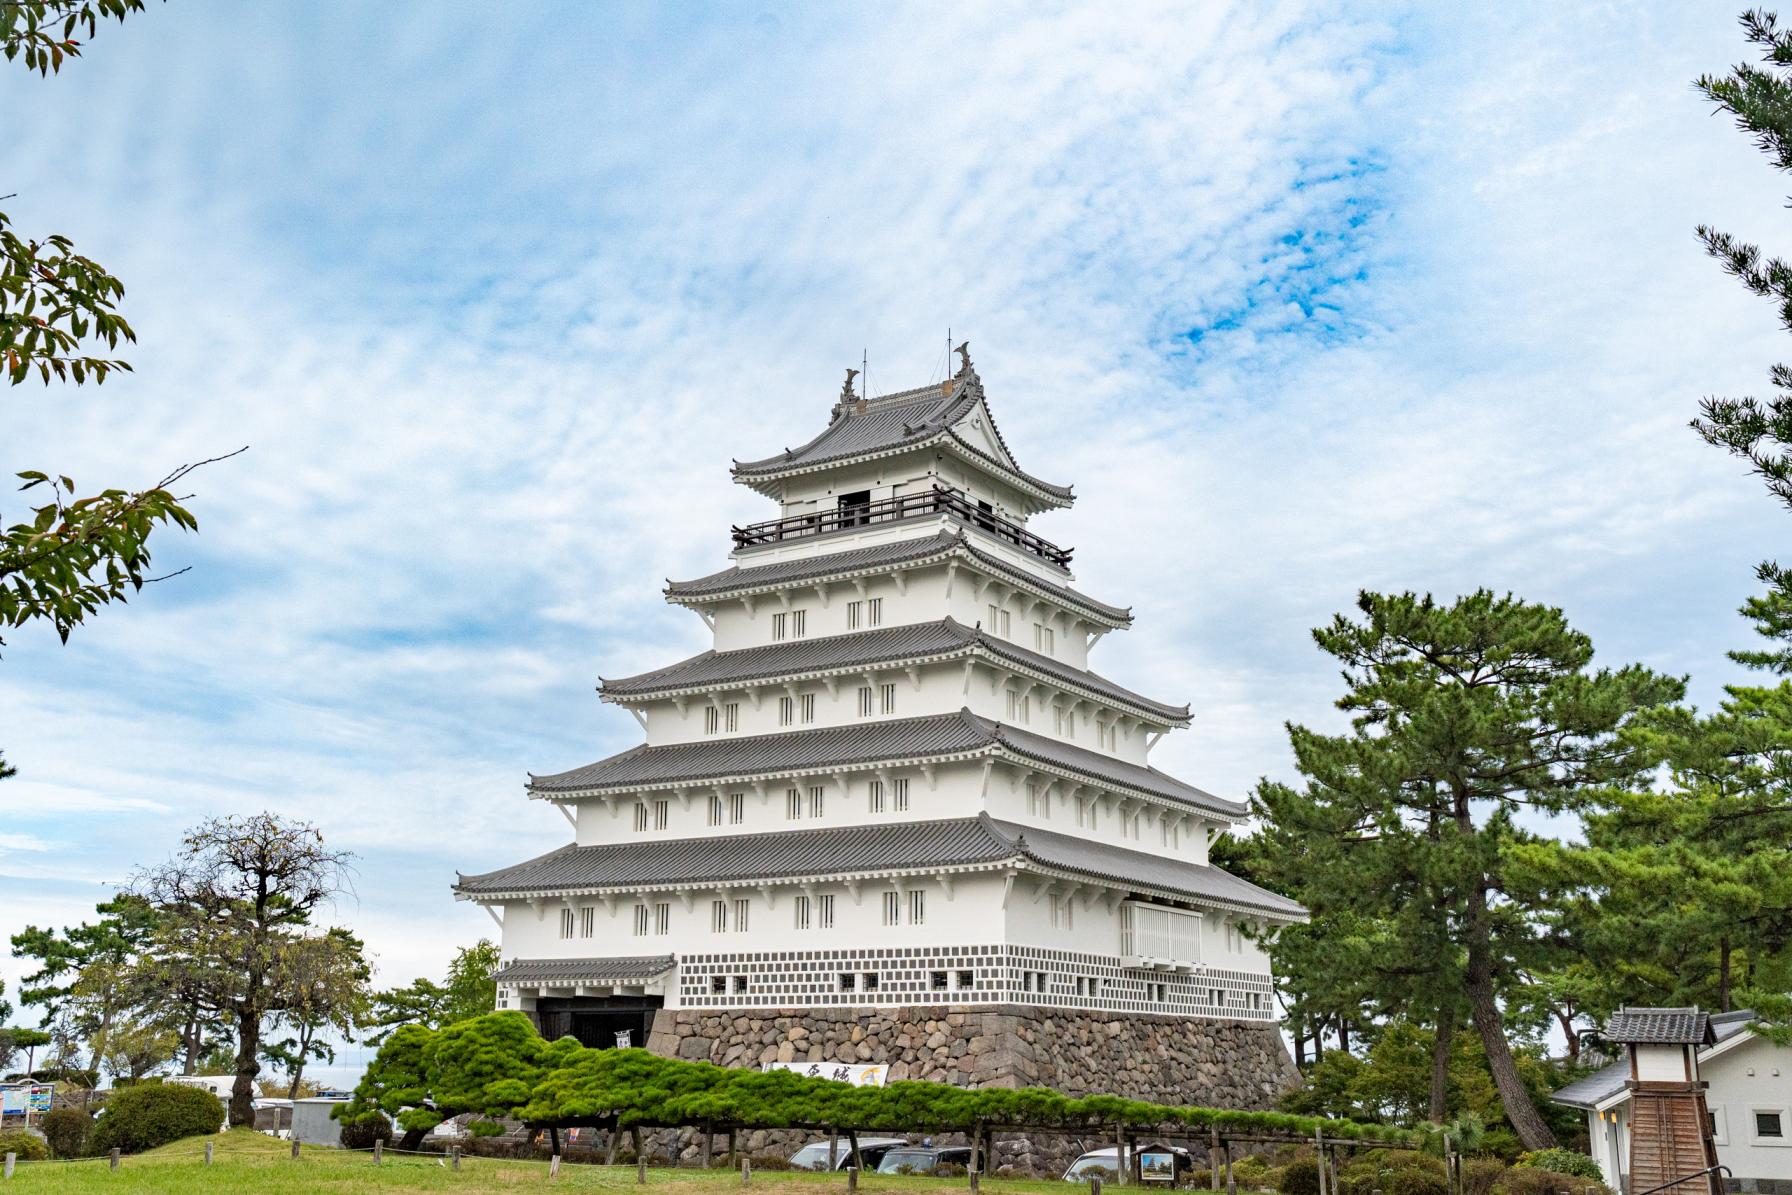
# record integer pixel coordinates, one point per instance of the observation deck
(939, 500)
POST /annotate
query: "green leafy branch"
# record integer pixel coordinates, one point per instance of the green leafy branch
(43, 31)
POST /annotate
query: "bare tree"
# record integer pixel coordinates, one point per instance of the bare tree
(235, 899)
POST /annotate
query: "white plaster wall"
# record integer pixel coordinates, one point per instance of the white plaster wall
(971, 914)
(1735, 1094)
(1661, 1064)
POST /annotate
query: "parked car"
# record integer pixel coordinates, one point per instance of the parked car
(814, 1156)
(1166, 1164)
(923, 1159)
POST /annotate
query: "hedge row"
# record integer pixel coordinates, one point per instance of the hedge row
(497, 1066)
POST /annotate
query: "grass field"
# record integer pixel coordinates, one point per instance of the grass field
(248, 1161)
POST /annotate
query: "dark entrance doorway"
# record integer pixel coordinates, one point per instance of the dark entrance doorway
(596, 1021)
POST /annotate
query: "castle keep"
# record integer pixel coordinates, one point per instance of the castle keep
(892, 815)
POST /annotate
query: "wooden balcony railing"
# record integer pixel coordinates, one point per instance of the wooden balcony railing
(939, 500)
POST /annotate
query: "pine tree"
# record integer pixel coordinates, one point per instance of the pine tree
(1463, 717)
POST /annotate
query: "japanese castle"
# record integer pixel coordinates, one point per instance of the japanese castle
(894, 780)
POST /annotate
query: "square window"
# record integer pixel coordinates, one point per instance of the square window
(936, 980)
(740, 985)
(1769, 1124)
(869, 981)
(848, 981)
(966, 979)
(718, 985)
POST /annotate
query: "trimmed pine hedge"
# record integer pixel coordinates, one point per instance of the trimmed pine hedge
(498, 1066)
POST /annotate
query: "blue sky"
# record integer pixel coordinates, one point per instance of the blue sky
(1303, 298)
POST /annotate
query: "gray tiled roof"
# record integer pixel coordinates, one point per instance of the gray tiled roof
(891, 421)
(1659, 1026)
(847, 850)
(1589, 1091)
(737, 857)
(886, 555)
(917, 641)
(1105, 861)
(936, 735)
(584, 970)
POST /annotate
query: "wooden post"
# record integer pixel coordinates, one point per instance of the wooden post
(554, 1166)
(12, 1158)
(1120, 1156)
(610, 1154)
(1095, 1184)
(640, 1154)
(295, 1149)
(113, 1157)
(379, 1150)
(640, 1168)
(1231, 1181)
(731, 1145)
(833, 1148)
(974, 1177)
(746, 1172)
(1319, 1157)
(208, 1153)
(709, 1145)
(976, 1150)
(855, 1161)
(1213, 1154)
(454, 1157)
(852, 1178)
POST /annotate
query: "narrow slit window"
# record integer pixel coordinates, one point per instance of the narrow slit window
(807, 702)
(917, 907)
(793, 804)
(587, 921)
(824, 911)
(786, 711)
(662, 918)
(640, 921)
(892, 908)
(740, 916)
(817, 798)
(854, 611)
(875, 791)
(874, 612)
(718, 916)
(737, 808)
(566, 923)
(887, 698)
(662, 814)
(801, 910)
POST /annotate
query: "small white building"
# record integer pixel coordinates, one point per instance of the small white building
(218, 1085)
(1748, 1094)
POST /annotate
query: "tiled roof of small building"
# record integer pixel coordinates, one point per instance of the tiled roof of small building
(892, 421)
(584, 970)
(737, 579)
(1659, 1026)
(1589, 1091)
(847, 850)
(863, 649)
(934, 736)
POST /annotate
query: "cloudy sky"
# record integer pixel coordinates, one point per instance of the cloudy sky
(1303, 298)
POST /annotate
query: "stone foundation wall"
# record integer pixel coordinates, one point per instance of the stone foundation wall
(1172, 1060)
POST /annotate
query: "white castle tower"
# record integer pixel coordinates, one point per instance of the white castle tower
(893, 782)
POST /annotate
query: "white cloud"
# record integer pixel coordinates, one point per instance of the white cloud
(495, 304)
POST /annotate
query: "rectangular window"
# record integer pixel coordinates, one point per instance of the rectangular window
(566, 923)
(712, 719)
(737, 808)
(875, 791)
(786, 711)
(817, 796)
(731, 717)
(715, 809)
(587, 921)
(801, 907)
(740, 916)
(1063, 913)
(868, 981)
(640, 921)
(1044, 638)
(848, 981)
(780, 625)
(718, 985)
(917, 907)
(1064, 723)
(640, 816)
(886, 695)
(740, 985)
(965, 980)
(1768, 1124)
(998, 622)
(874, 612)
(900, 796)
(807, 702)
(892, 908)
(1216, 997)
(864, 701)
(824, 912)
(854, 611)
(1020, 709)
(662, 814)
(936, 980)
(799, 623)
(793, 803)
(662, 918)
(718, 916)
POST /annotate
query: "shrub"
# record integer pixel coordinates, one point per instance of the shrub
(485, 1128)
(1528, 1180)
(1393, 1172)
(1300, 1177)
(361, 1134)
(761, 1161)
(1562, 1161)
(1254, 1172)
(28, 1145)
(66, 1130)
(1479, 1175)
(140, 1118)
(1499, 1142)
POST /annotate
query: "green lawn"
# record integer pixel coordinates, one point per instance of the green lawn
(248, 1161)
